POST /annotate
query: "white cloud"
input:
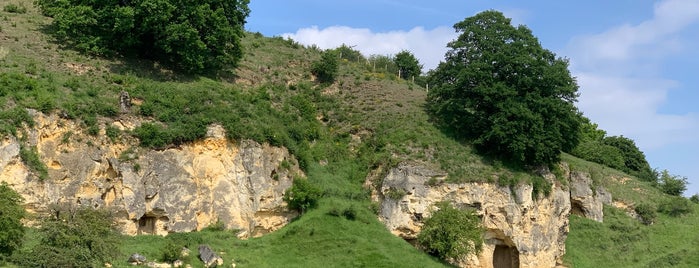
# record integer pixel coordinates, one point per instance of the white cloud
(621, 88)
(428, 46)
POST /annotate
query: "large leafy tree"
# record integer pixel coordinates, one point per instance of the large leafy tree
(501, 89)
(407, 64)
(192, 36)
(11, 214)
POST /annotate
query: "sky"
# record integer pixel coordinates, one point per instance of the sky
(636, 61)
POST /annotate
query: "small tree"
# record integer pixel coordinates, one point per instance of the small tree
(327, 67)
(672, 184)
(11, 214)
(407, 64)
(451, 233)
(302, 195)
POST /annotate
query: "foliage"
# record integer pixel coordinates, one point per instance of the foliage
(302, 195)
(11, 215)
(327, 67)
(501, 89)
(451, 233)
(407, 64)
(647, 213)
(12, 8)
(191, 36)
(672, 184)
(382, 63)
(694, 198)
(676, 206)
(634, 160)
(74, 237)
(30, 157)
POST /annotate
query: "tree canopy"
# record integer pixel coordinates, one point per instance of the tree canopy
(192, 36)
(499, 88)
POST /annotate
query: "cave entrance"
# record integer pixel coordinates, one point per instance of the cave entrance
(152, 225)
(576, 208)
(505, 257)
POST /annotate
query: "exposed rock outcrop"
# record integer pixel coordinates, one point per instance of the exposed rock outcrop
(155, 191)
(521, 231)
(585, 202)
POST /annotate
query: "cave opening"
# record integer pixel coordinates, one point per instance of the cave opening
(152, 225)
(576, 208)
(505, 257)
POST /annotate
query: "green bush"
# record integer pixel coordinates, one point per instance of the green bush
(11, 215)
(676, 206)
(302, 195)
(672, 184)
(451, 233)
(73, 237)
(646, 212)
(326, 68)
(694, 198)
(30, 157)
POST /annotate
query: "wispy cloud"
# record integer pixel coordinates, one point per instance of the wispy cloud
(622, 88)
(428, 46)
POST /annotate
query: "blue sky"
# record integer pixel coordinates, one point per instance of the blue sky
(636, 61)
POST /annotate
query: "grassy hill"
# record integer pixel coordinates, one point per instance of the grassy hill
(358, 127)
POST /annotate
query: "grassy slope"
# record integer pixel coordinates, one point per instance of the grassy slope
(262, 100)
(622, 241)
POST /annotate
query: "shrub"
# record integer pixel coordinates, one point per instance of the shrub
(672, 184)
(676, 206)
(152, 135)
(694, 198)
(326, 68)
(12, 8)
(73, 237)
(646, 212)
(302, 195)
(11, 215)
(451, 233)
(30, 157)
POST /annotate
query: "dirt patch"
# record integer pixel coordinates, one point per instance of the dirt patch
(78, 68)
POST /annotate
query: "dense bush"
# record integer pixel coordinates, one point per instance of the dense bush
(451, 233)
(11, 215)
(73, 237)
(502, 91)
(676, 206)
(191, 36)
(407, 64)
(30, 157)
(646, 212)
(302, 195)
(326, 68)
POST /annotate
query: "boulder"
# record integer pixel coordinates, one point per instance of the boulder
(209, 257)
(137, 259)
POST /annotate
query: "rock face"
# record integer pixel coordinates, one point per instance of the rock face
(521, 231)
(583, 201)
(155, 191)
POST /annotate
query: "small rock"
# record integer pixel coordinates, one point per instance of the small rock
(185, 252)
(137, 259)
(177, 263)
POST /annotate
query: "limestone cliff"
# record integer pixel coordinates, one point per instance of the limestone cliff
(154, 191)
(521, 231)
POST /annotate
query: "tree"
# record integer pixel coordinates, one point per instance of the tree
(192, 36)
(499, 88)
(302, 195)
(672, 184)
(327, 67)
(11, 215)
(451, 233)
(407, 64)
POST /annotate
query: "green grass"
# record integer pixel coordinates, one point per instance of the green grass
(320, 238)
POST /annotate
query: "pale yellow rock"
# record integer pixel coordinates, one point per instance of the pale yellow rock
(178, 189)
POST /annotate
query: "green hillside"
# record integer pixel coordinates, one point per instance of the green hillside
(342, 134)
